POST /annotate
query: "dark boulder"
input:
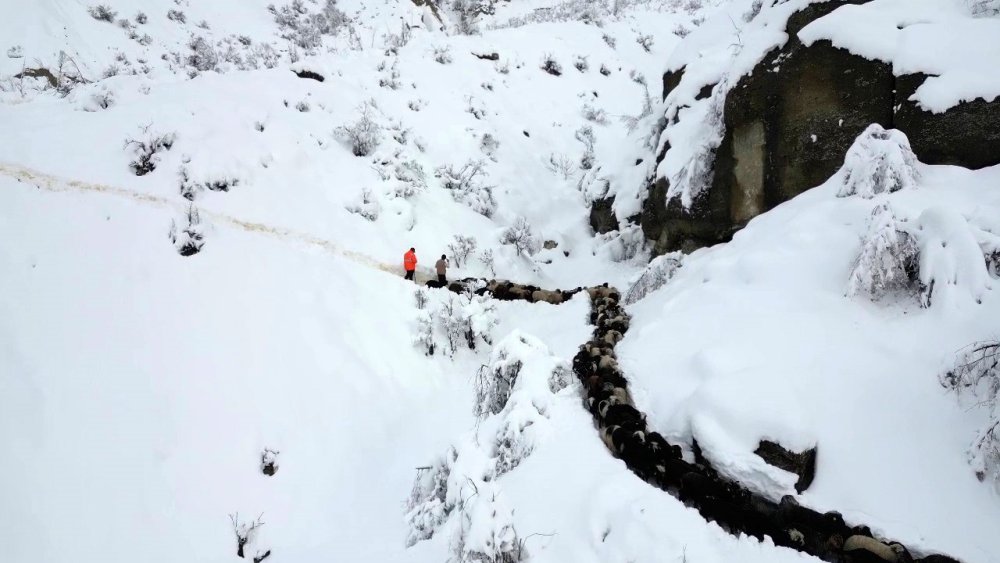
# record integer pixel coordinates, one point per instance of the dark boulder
(966, 135)
(802, 464)
(602, 216)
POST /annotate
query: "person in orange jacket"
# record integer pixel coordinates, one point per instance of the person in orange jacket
(410, 263)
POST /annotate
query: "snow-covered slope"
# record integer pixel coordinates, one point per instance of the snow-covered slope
(758, 339)
(139, 387)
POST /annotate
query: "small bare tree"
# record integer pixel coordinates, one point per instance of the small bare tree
(244, 533)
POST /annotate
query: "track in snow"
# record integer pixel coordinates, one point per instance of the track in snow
(55, 184)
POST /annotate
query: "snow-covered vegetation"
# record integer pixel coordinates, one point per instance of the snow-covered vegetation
(208, 352)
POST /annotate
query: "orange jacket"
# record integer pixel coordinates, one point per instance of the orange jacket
(410, 260)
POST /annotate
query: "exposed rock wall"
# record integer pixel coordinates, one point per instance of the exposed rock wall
(788, 124)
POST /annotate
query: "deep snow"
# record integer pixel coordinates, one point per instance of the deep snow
(139, 387)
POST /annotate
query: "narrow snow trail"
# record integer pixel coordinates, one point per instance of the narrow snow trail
(52, 183)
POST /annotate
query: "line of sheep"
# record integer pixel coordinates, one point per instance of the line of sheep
(647, 454)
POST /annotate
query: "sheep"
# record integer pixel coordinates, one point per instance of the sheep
(553, 297)
(621, 414)
(864, 549)
(613, 337)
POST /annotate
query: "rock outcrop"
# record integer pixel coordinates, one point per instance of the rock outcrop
(788, 124)
(802, 464)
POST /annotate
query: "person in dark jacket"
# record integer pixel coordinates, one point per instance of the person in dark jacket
(410, 263)
(442, 268)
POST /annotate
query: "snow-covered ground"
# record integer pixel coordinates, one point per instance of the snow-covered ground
(139, 387)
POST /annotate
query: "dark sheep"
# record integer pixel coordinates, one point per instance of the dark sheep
(621, 414)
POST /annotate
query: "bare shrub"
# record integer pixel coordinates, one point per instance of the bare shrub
(147, 149)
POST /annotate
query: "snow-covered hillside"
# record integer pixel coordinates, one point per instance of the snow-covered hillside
(203, 209)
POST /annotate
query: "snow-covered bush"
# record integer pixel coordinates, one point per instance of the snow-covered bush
(269, 462)
(412, 178)
(188, 239)
(586, 137)
(102, 12)
(467, 186)
(465, 320)
(610, 40)
(605, 70)
(696, 171)
(391, 77)
(595, 115)
(305, 29)
(367, 205)
(364, 135)
(495, 381)
(101, 99)
(657, 273)
(551, 65)
(147, 149)
(489, 145)
(428, 507)
(879, 161)
(977, 374)
(176, 16)
(423, 337)
(443, 55)
(202, 56)
(888, 261)
(486, 531)
(561, 378)
(460, 249)
(952, 264)
(984, 8)
(580, 63)
(521, 237)
(468, 12)
(141, 18)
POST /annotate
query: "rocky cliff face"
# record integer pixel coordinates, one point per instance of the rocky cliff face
(788, 124)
